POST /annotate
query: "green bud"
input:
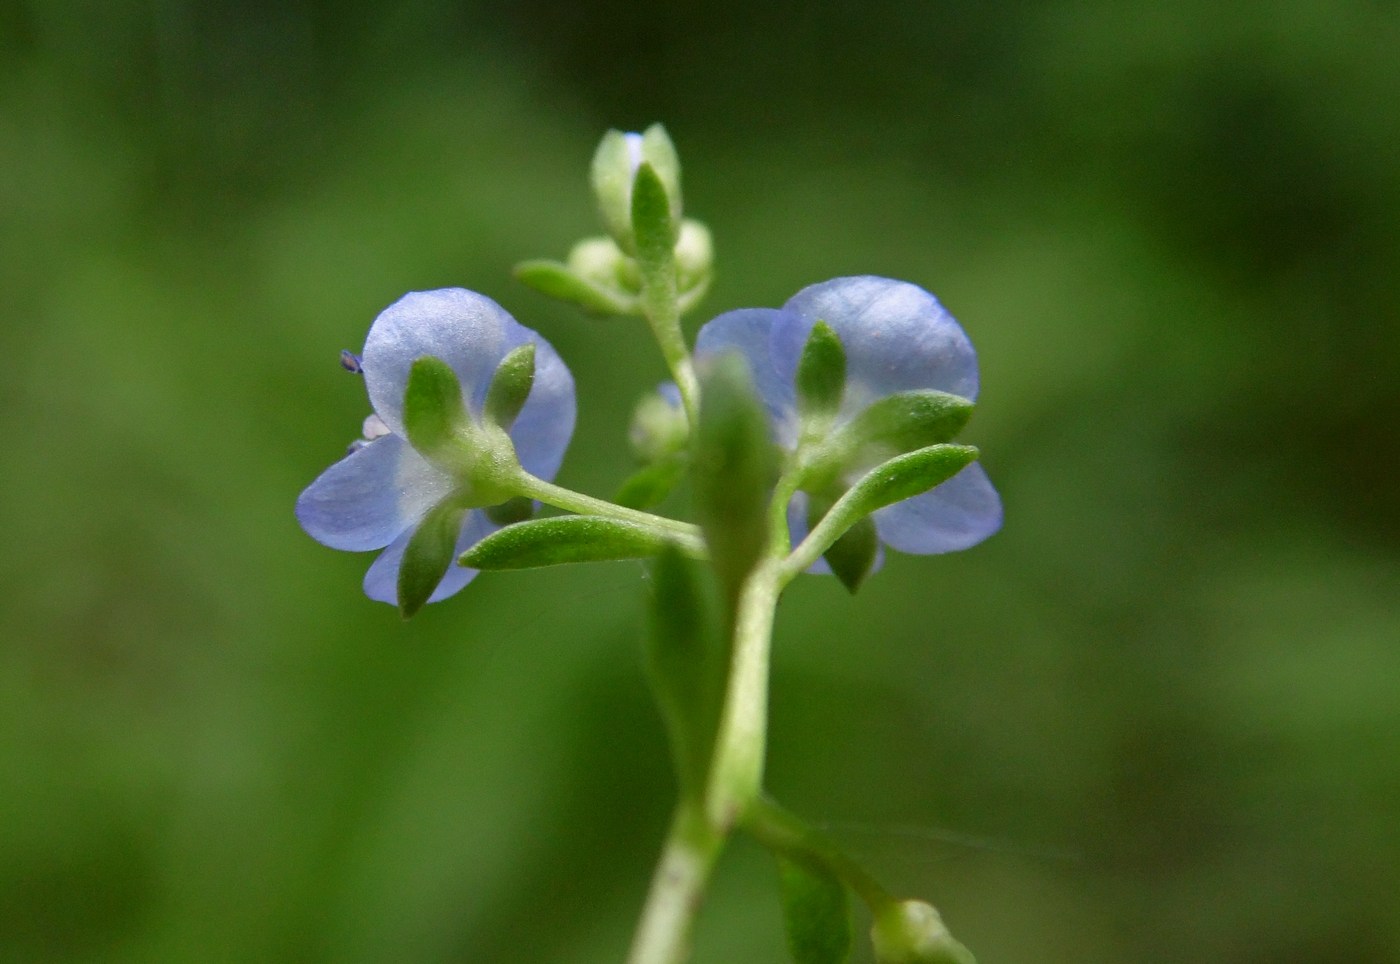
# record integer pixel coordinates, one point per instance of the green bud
(563, 539)
(428, 554)
(695, 256)
(510, 386)
(911, 932)
(658, 428)
(616, 164)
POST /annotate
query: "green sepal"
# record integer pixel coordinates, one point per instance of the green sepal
(653, 226)
(821, 373)
(816, 912)
(686, 659)
(734, 467)
(906, 421)
(912, 932)
(560, 281)
(561, 540)
(510, 511)
(660, 153)
(650, 486)
(428, 554)
(434, 416)
(510, 386)
(900, 478)
(852, 557)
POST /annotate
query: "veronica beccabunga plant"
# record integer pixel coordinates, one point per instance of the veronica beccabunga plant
(813, 436)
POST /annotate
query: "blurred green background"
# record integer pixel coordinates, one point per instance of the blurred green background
(1156, 719)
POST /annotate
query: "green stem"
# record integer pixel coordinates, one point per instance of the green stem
(787, 834)
(562, 498)
(698, 833)
(662, 312)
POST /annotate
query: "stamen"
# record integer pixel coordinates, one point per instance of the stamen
(351, 362)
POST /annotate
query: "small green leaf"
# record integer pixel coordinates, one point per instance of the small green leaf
(510, 511)
(653, 226)
(816, 910)
(559, 281)
(908, 475)
(906, 421)
(428, 554)
(510, 386)
(650, 486)
(734, 467)
(821, 373)
(434, 415)
(686, 662)
(564, 539)
(852, 557)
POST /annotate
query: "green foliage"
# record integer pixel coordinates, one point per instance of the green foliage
(817, 913)
(560, 540)
(649, 486)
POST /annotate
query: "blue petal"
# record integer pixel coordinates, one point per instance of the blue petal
(367, 498)
(955, 515)
(382, 579)
(467, 330)
(749, 331)
(897, 338)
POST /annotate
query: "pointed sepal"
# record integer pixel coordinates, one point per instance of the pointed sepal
(852, 557)
(511, 511)
(561, 540)
(906, 421)
(816, 914)
(434, 414)
(428, 555)
(510, 386)
(821, 374)
(649, 486)
(654, 227)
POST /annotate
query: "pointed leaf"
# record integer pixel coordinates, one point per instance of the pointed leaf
(686, 661)
(434, 415)
(510, 511)
(821, 373)
(612, 183)
(558, 281)
(428, 554)
(734, 466)
(561, 540)
(650, 486)
(510, 386)
(817, 913)
(908, 475)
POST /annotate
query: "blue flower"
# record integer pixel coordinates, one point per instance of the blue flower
(897, 338)
(375, 497)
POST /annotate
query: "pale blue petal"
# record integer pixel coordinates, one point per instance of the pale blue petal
(545, 424)
(897, 338)
(797, 529)
(468, 331)
(749, 331)
(367, 498)
(382, 579)
(955, 515)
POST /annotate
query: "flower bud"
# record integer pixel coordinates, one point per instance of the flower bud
(658, 426)
(695, 255)
(615, 165)
(911, 932)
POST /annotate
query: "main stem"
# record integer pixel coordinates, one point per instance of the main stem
(701, 827)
